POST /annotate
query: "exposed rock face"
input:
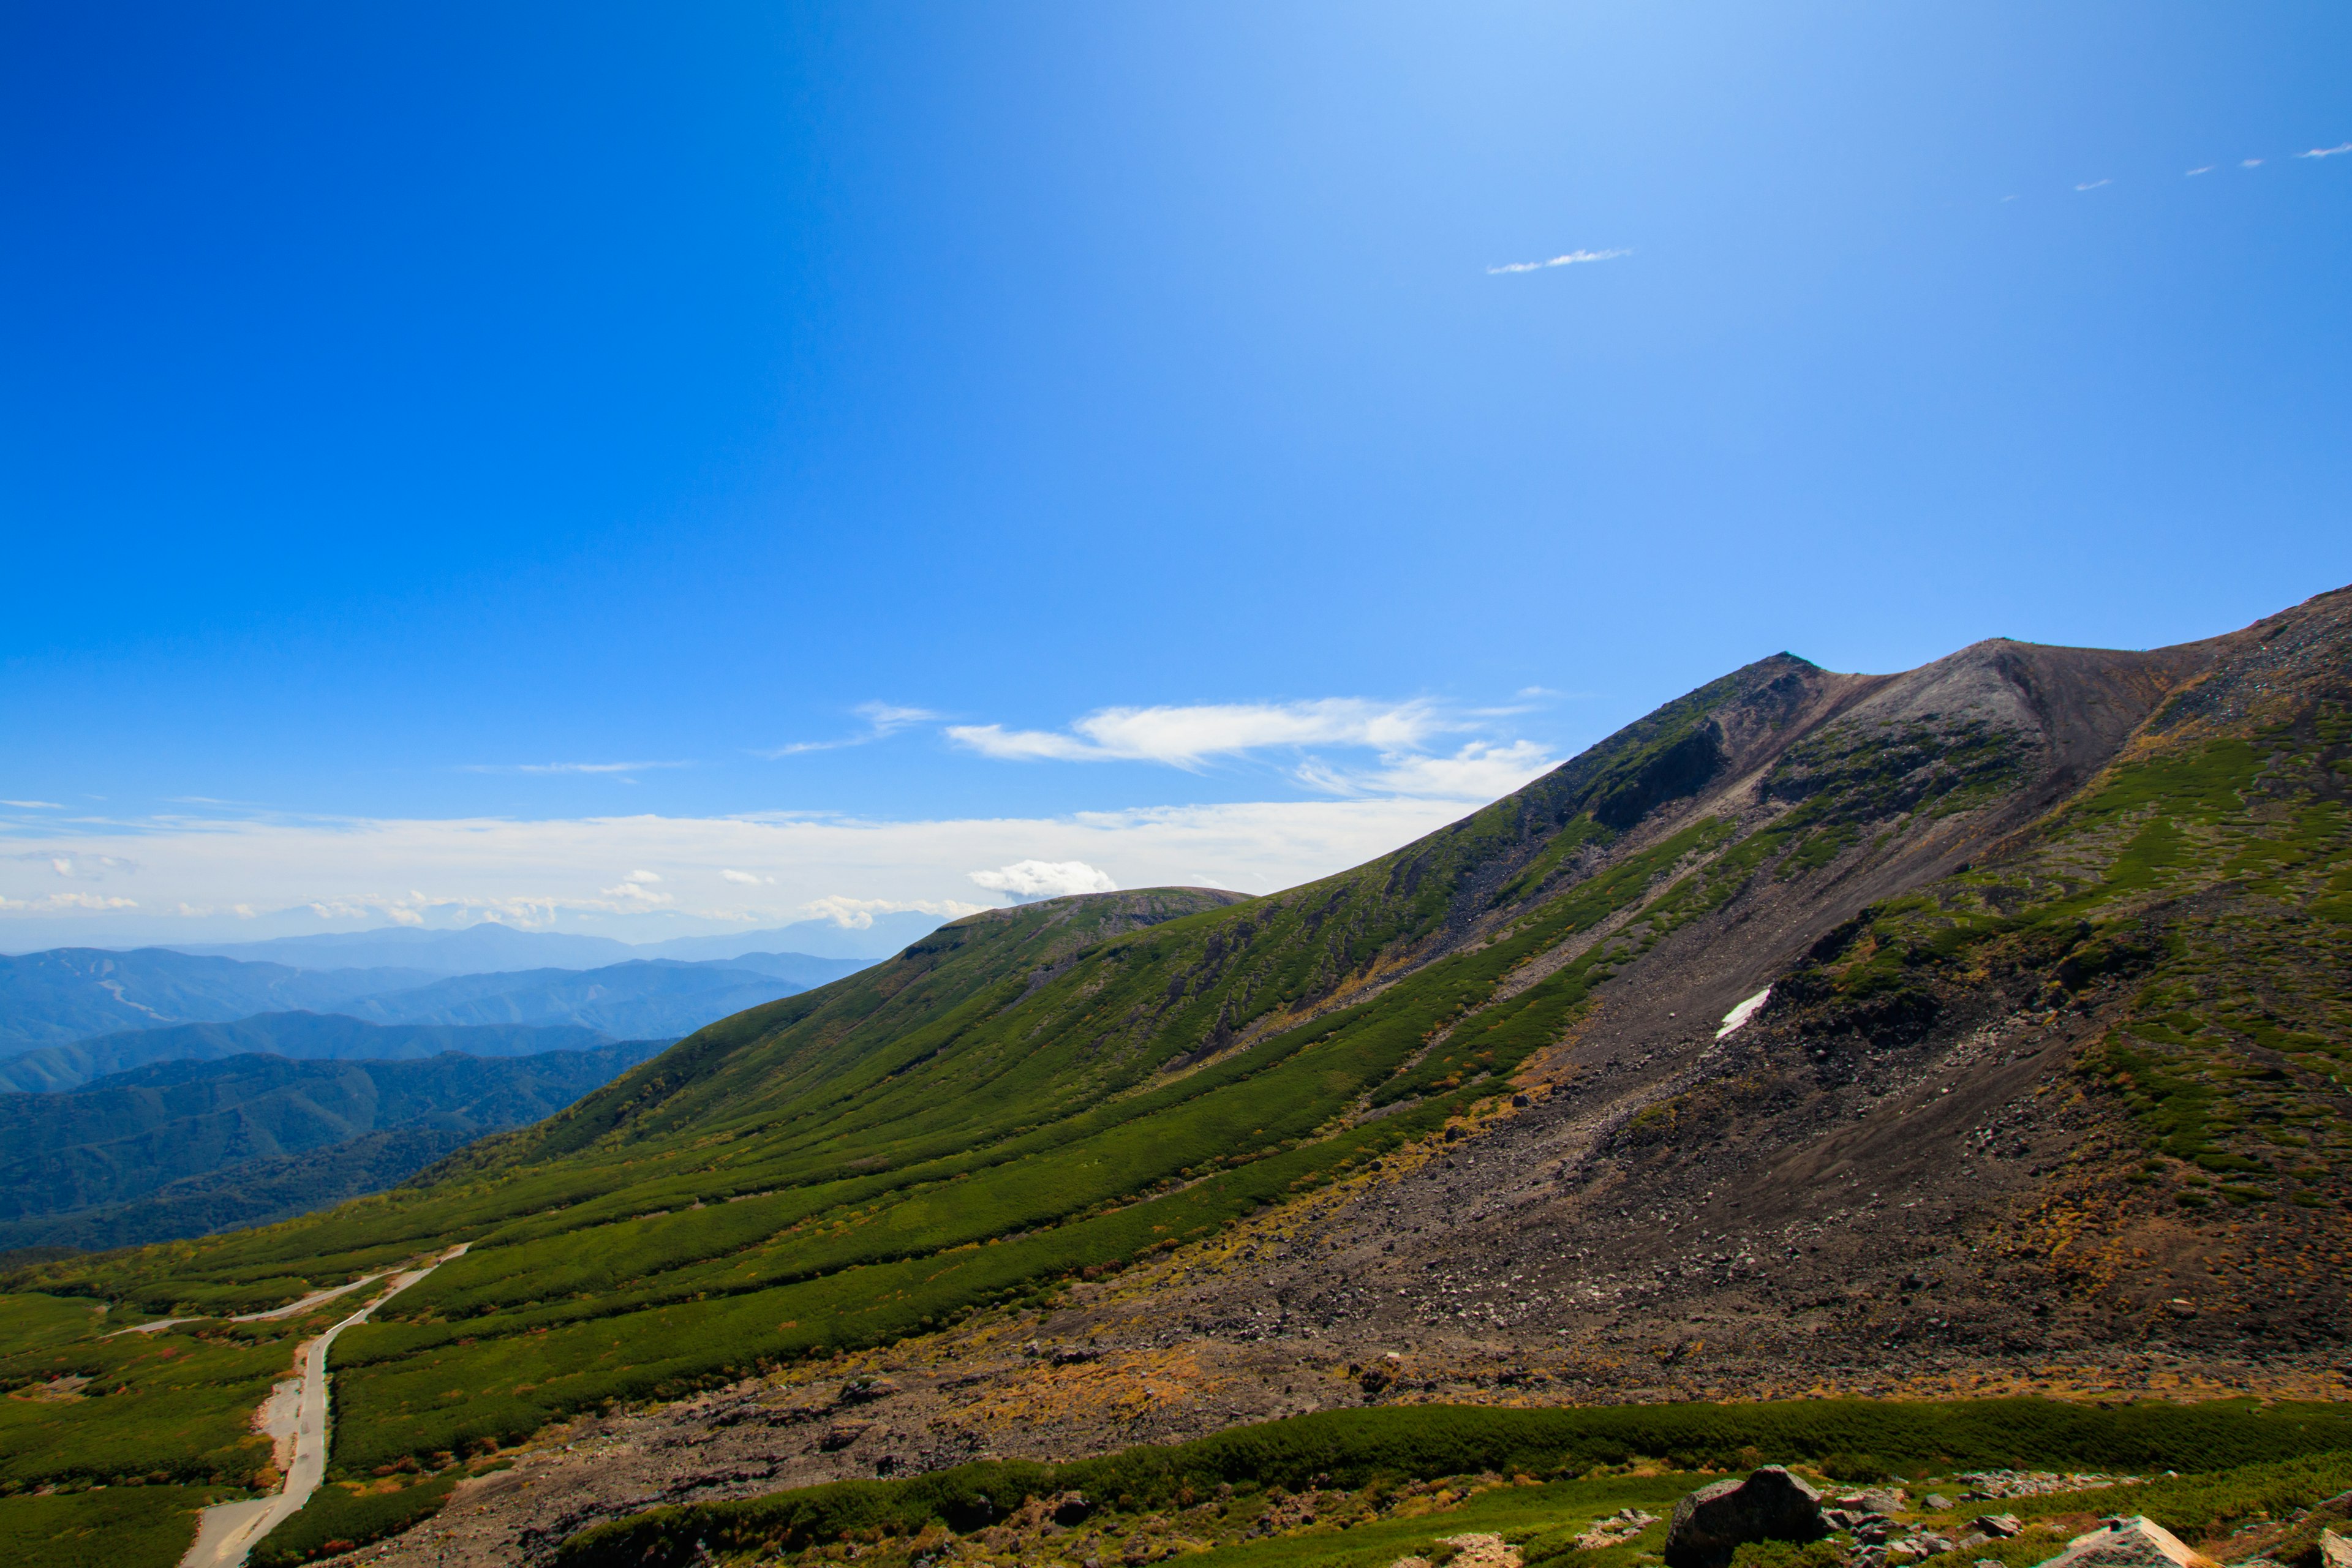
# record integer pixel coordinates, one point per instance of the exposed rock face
(2134, 1542)
(1715, 1520)
(2335, 1551)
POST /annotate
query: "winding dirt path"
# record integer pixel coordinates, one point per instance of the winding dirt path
(227, 1533)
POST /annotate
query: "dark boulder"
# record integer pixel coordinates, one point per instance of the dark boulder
(1715, 1520)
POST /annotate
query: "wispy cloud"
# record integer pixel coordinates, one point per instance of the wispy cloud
(33, 805)
(2250, 163)
(883, 720)
(2093, 185)
(2327, 151)
(745, 878)
(1025, 880)
(638, 889)
(59, 902)
(1398, 733)
(1481, 770)
(328, 872)
(1186, 737)
(569, 767)
(1573, 258)
(857, 914)
(2192, 173)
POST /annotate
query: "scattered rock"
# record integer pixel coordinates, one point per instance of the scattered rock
(2335, 1551)
(1938, 1502)
(1715, 1520)
(1483, 1551)
(1617, 1529)
(2137, 1541)
(1999, 1526)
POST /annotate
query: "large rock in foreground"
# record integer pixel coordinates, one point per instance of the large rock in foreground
(1715, 1520)
(2137, 1541)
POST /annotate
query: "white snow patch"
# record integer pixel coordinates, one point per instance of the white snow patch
(1745, 1011)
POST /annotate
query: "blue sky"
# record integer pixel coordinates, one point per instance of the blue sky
(457, 458)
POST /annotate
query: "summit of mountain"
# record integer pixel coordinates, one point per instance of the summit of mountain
(1977, 1027)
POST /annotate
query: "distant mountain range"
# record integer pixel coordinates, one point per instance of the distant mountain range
(489, 947)
(67, 995)
(634, 999)
(326, 1036)
(179, 1147)
(70, 994)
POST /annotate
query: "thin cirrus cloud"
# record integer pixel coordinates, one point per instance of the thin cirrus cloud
(2093, 185)
(33, 805)
(2327, 151)
(1482, 770)
(1573, 259)
(883, 720)
(1191, 736)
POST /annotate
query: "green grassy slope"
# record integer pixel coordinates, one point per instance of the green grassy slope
(1140, 1488)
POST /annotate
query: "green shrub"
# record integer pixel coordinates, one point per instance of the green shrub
(337, 1519)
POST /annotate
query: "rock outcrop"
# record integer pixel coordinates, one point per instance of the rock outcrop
(1715, 1520)
(2137, 1541)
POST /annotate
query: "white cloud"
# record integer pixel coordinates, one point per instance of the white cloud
(2250, 163)
(33, 805)
(1573, 258)
(1028, 879)
(636, 890)
(1186, 737)
(2093, 185)
(2208, 169)
(1481, 770)
(745, 878)
(302, 874)
(857, 914)
(2314, 152)
(57, 902)
(883, 720)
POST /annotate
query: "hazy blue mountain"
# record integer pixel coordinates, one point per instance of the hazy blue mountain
(799, 968)
(490, 948)
(75, 1159)
(70, 994)
(634, 1000)
(819, 939)
(302, 1036)
(486, 948)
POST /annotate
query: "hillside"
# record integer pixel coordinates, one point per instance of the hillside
(144, 1155)
(327, 1037)
(2049, 1092)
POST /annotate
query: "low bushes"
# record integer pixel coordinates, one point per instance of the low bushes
(1353, 1447)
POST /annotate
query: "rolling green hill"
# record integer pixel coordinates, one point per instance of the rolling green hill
(1051, 1092)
